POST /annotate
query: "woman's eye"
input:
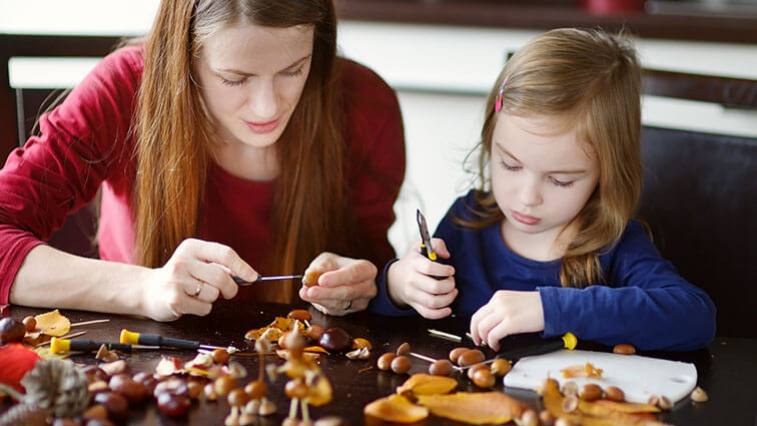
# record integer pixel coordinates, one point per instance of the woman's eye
(294, 73)
(561, 183)
(232, 82)
(509, 167)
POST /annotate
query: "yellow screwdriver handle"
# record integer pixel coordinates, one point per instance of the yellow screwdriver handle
(129, 337)
(60, 346)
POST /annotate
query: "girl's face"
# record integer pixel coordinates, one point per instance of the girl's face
(542, 175)
(251, 78)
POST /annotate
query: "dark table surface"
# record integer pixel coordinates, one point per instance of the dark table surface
(727, 368)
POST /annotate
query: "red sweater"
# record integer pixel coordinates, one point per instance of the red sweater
(85, 144)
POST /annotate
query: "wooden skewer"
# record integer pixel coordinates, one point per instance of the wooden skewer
(431, 360)
(445, 336)
(77, 324)
(67, 336)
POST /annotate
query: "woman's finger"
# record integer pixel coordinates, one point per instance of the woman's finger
(349, 272)
(191, 305)
(211, 252)
(215, 276)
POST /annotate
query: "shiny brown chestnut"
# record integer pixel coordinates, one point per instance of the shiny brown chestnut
(335, 339)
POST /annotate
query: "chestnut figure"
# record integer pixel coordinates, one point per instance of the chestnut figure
(256, 389)
(11, 331)
(173, 405)
(335, 339)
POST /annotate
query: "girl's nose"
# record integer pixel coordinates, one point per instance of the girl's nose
(263, 102)
(530, 194)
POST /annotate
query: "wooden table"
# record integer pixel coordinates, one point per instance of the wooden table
(727, 368)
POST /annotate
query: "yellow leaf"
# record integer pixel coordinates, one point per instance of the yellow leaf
(316, 349)
(475, 408)
(395, 408)
(53, 323)
(624, 407)
(586, 370)
(278, 327)
(426, 384)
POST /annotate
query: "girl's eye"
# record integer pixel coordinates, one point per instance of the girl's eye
(561, 183)
(509, 167)
(233, 82)
(294, 73)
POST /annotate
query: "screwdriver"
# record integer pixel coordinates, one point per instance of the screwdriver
(62, 346)
(134, 338)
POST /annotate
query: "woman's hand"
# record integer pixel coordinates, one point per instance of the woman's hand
(195, 276)
(345, 285)
(508, 312)
(428, 287)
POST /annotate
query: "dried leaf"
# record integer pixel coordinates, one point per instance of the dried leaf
(474, 407)
(587, 413)
(395, 408)
(586, 370)
(308, 356)
(625, 407)
(53, 323)
(278, 327)
(426, 384)
(316, 349)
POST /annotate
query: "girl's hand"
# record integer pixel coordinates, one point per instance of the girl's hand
(195, 276)
(345, 285)
(508, 312)
(427, 286)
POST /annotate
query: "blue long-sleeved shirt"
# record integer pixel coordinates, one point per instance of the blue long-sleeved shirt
(643, 301)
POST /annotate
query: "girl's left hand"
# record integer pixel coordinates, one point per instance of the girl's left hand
(346, 285)
(508, 312)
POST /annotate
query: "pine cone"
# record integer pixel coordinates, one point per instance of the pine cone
(58, 386)
(22, 414)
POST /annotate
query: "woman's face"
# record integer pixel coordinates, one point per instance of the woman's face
(251, 78)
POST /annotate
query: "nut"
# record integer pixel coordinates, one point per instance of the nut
(472, 370)
(590, 392)
(624, 349)
(131, 390)
(470, 357)
(384, 362)
(335, 339)
(483, 378)
(569, 404)
(311, 278)
(403, 349)
(614, 393)
(11, 331)
(699, 395)
(440, 367)
(173, 405)
(454, 354)
(117, 405)
(300, 315)
(314, 332)
(500, 367)
(569, 388)
(220, 356)
(401, 364)
(30, 323)
(529, 418)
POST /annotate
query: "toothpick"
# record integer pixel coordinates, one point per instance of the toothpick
(445, 336)
(67, 336)
(77, 324)
(431, 360)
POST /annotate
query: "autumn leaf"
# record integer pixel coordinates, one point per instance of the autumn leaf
(53, 324)
(474, 407)
(395, 408)
(426, 384)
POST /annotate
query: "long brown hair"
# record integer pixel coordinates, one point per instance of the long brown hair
(174, 134)
(590, 78)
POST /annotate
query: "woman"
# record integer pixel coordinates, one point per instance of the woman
(234, 137)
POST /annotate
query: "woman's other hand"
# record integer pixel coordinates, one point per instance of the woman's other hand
(344, 284)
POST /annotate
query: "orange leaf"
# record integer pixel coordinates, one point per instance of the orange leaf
(586, 370)
(279, 326)
(626, 407)
(426, 384)
(476, 408)
(53, 323)
(395, 408)
(316, 349)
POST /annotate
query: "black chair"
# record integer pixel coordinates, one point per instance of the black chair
(700, 198)
(77, 235)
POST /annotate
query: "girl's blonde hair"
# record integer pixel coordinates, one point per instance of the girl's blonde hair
(174, 136)
(592, 79)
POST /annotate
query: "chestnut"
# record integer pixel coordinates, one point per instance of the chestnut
(440, 367)
(454, 354)
(30, 323)
(500, 367)
(624, 349)
(470, 357)
(403, 349)
(472, 370)
(384, 362)
(335, 339)
(131, 390)
(314, 332)
(401, 364)
(220, 356)
(483, 378)
(300, 315)
(614, 393)
(11, 331)
(590, 392)
(117, 405)
(173, 386)
(173, 405)
(311, 278)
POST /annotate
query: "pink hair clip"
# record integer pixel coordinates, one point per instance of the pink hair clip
(500, 97)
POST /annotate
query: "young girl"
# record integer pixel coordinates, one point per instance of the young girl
(233, 141)
(547, 244)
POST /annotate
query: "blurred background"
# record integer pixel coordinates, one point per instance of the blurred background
(441, 56)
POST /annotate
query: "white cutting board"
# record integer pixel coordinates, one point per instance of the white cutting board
(639, 377)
